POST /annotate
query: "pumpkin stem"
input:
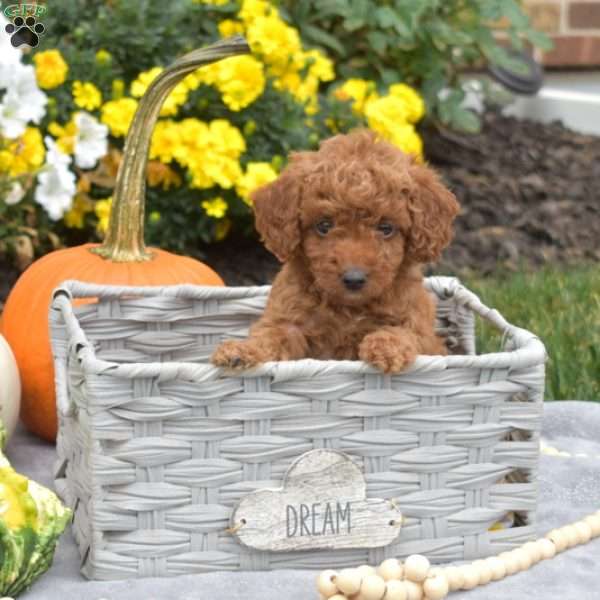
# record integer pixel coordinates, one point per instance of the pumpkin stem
(124, 241)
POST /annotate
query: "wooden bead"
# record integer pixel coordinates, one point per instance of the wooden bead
(558, 538)
(594, 522)
(470, 577)
(485, 573)
(414, 590)
(455, 578)
(436, 586)
(570, 534)
(348, 581)
(365, 570)
(390, 569)
(534, 552)
(497, 567)
(372, 587)
(523, 559)
(326, 583)
(416, 567)
(584, 532)
(396, 590)
(547, 548)
(511, 564)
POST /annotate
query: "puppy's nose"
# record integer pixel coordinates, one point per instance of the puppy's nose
(354, 279)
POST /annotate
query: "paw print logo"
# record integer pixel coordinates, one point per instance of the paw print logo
(25, 31)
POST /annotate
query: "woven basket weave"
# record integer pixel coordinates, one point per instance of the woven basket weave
(155, 446)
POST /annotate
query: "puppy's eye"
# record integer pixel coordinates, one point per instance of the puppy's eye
(323, 226)
(386, 229)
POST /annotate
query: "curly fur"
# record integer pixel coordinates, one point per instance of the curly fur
(357, 181)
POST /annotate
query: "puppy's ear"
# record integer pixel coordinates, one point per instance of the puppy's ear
(277, 213)
(433, 208)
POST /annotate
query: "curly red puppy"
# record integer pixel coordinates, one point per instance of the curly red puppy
(352, 223)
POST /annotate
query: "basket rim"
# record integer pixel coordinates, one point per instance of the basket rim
(526, 349)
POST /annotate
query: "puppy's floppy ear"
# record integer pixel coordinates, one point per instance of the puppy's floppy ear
(277, 213)
(432, 208)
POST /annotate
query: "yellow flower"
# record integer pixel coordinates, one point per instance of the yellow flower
(118, 114)
(166, 139)
(25, 154)
(50, 69)
(158, 173)
(251, 9)
(320, 66)
(118, 89)
(407, 139)
(256, 175)
(215, 168)
(86, 95)
(415, 107)
(102, 210)
(75, 217)
(144, 79)
(226, 139)
(217, 207)
(240, 80)
(230, 27)
(360, 90)
(222, 228)
(385, 113)
(103, 57)
(174, 100)
(275, 41)
(65, 135)
(194, 139)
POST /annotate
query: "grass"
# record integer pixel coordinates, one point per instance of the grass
(562, 307)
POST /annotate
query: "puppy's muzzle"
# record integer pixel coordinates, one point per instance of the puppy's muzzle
(354, 279)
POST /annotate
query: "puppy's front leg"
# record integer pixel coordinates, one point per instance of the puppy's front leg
(266, 343)
(390, 349)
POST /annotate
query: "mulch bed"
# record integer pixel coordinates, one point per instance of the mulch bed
(530, 196)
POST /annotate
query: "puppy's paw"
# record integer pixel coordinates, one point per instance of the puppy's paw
(235, 354)
(387, 351)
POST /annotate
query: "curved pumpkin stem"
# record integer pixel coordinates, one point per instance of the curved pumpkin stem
(124, 241)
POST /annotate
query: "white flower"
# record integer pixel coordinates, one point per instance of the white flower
(12, 123)
(56, 183)
(91, 141)
(16, 193)
(23, 100)
(9, 55)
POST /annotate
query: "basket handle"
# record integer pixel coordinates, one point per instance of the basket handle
(124, 241)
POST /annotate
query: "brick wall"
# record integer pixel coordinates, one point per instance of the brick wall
(573, 25)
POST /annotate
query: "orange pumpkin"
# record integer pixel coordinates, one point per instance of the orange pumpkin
(121, 260)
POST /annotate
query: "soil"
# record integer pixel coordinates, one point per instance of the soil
(529, 192)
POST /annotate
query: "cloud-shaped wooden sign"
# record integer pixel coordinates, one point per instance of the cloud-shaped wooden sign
(321, 505)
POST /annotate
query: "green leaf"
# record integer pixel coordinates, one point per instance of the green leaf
(354, 23)
(321, 37)
(378, 41)
(539, 39)
(386, 17)
(514, 13)
(465, 120)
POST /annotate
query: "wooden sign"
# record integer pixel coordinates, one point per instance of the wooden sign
(322, 504)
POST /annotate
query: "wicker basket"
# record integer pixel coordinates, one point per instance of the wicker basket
(156, 447)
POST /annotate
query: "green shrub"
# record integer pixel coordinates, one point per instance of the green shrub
(430, 43)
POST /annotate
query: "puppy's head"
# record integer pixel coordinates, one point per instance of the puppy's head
(358, 209)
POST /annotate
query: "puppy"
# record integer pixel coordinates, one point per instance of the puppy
(351, 223)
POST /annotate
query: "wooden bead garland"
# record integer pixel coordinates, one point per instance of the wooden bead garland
(417, 580)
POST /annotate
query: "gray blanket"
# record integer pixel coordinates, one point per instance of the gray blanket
(569, 489)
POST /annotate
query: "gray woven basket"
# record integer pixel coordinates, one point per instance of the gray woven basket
(156, 446)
